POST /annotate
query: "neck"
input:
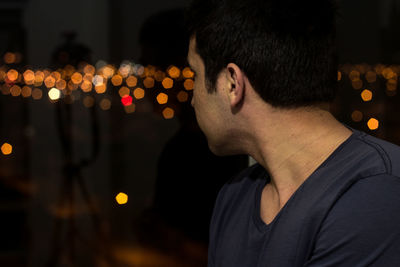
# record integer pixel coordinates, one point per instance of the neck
(292, 145)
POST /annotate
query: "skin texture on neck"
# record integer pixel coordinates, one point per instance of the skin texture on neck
(289, 143)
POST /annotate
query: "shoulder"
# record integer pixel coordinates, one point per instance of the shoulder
(378, 152)
(362, 227)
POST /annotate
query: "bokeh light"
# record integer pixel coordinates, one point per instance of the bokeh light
(108, 71)
(54, 94)
(391, 85)
(100, 89)
(182, 96)
(357, 116)
(105, 104)
(168, 113)
(12, 75)
(126, 100)
(167, 83)
(159, 76)
(148, 82)
(88, 101)
(49, 81)
(76, 78)
(124, 91)
(6, 149)
(116, 80)
(122, 198)
(131, 81)
(86, 86)
(162, 98)
(354, 75)
(15, 90)
(173, 72)
(61, 84)
(9, 58)
(29, 77)
(37, 94)
(130, 108)
(373, 124)
(26, 91)
(89, 69)
(39, 78)
(388, 73)
(98, 80)
(366, 95)
(370, 76)
(187, 73)
(138, 93)
(188, 84)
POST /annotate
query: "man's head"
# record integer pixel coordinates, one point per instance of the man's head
(284, 47)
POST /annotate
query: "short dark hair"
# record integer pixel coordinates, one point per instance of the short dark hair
(285, 47)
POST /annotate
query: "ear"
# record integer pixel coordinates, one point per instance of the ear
(236, 86)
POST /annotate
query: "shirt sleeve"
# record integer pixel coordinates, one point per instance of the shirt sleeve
(363, 227)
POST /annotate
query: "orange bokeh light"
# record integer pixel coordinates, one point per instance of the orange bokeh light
(357, 116)
(116, 80)
(182, 96)
(131, 81)
(188, 84)
(15, 90)
(373, 124)
(9, 58)
(86, 86)
(366, 95)
(162, 98)
(138, 93)
(370, 76)
(159, 76)
(100, 89)
(26, 91)
(49, 81)
(168, 113)
(187, 73)
(61, 84)
(6, 149)
(89, 69)
(174, 72)
(105, 104)
(124, 91)
(76, 78)
(88, 101)
(37, 94)
(167, 83)
(130, 109)
(29, 77)
(12, 75)
(148, 82)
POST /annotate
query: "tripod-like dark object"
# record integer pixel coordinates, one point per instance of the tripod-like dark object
(64, 241)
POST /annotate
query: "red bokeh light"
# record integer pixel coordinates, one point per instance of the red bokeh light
(126, 100)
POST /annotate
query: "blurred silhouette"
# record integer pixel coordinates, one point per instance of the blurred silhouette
(189, 175)
(65, 241)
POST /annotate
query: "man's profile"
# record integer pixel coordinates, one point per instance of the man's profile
(321, 194)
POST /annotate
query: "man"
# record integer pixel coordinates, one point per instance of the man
(322, 194)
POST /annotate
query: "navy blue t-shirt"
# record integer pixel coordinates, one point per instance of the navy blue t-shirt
(347, 213)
